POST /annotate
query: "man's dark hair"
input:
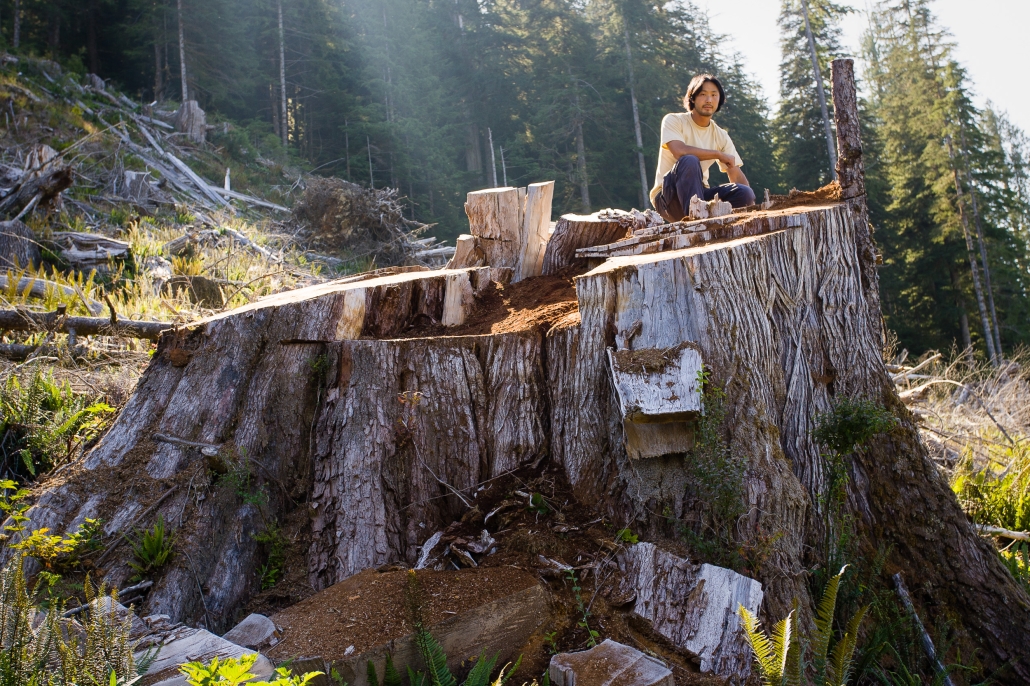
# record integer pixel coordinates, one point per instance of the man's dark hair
(695, 86)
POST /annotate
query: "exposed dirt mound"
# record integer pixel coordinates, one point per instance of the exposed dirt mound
(537, 302)
(831, 192)
(368, 609)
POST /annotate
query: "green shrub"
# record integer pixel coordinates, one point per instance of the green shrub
(43, 422)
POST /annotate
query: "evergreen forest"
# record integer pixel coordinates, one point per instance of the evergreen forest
(440, 97)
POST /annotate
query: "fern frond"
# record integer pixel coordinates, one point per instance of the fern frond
(824, 626)
(390, 675)
(501, 678)
(480, 674)
(839, 670)
(435, 659)
(768, 656)
(370, 673)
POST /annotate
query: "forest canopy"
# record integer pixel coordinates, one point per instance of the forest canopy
(440, 98)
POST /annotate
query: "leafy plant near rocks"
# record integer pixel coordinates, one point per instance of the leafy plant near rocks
(52, 551)
(780, 657)
(235, 671)
(153, 549)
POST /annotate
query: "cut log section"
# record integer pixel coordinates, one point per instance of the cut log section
(574, 231)
(694, 606)
(700, 209)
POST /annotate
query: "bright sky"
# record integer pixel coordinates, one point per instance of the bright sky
(990, 40)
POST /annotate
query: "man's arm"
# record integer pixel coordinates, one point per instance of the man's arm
(679, 149)
(736, 175)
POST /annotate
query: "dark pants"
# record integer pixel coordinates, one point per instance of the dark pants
(685, 180)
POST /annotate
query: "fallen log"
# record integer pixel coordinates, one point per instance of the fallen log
(18, 246)
(44, 179)
(85, 251)
(22, 320)
(37, 288)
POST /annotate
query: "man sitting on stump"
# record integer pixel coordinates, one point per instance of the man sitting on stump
(691, 144)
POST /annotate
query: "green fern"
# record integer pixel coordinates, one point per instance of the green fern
(779, 657)
(390, 675)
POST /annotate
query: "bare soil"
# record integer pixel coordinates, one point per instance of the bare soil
(831, 192)
(369, 609)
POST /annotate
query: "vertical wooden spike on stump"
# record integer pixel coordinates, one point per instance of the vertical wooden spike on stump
(535, 230)
(495, 220)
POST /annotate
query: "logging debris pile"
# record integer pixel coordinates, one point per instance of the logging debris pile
(115, 218)
(340, 217)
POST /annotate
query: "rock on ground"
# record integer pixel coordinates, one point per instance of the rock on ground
(609, 664)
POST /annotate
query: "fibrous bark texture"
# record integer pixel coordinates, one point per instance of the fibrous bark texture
(18, 246)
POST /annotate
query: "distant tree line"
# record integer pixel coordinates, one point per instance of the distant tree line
(439, 98)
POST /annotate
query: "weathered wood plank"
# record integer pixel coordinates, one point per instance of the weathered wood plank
(694, 606)
(535, 230)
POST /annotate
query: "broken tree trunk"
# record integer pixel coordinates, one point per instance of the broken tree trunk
(18, 246)
(191, 120)
(574, 231)
(44, 178)
(510, 228)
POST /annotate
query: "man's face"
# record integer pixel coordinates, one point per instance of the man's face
(707, 100)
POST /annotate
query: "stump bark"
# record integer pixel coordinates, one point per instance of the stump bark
(192, 121)
(18, 246)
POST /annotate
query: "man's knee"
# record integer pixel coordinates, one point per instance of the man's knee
(746, 196)
(689, 163)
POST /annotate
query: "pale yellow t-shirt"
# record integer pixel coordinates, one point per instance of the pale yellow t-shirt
(679, 126)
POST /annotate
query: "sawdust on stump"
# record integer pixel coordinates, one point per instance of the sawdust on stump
(368, 609)
(831, 192)
(537, 302)
(649, 360)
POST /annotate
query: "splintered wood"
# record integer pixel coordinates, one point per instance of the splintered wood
(660, 397)
(509, 228)
(700, 209)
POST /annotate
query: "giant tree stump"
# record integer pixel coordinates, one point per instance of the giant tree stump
(334, 404)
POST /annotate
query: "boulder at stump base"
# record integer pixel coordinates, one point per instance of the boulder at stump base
(256, 632)
(608, 664)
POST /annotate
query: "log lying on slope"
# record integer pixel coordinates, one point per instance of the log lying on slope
(23, 320)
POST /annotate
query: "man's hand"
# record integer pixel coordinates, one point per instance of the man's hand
(729, 160)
